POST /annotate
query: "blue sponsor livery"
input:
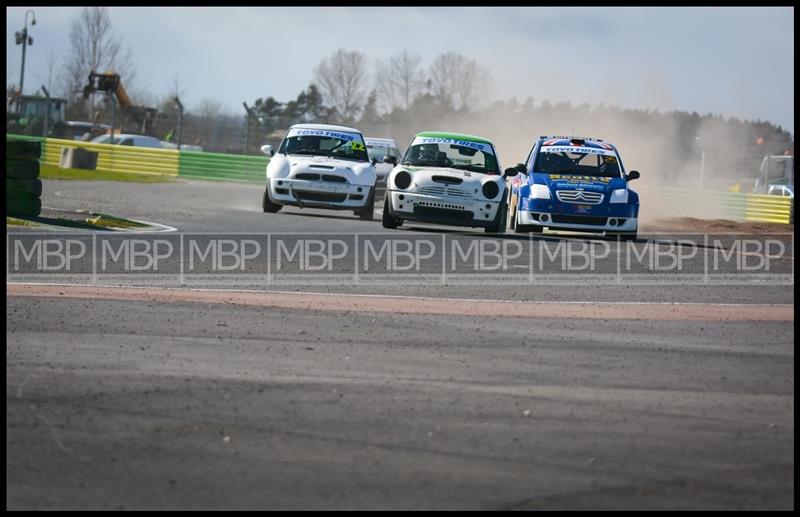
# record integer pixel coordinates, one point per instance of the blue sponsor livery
(574, 184)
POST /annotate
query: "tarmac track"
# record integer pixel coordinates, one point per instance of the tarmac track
(439, 395)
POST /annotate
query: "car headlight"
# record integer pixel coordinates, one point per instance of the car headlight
(540, 191)
(402, 180)
(490, 190)
(619, 195)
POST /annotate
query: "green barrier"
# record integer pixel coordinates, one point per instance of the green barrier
(730, 205)
(223, 167)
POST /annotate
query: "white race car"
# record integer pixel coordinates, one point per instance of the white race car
(321, 166)
(378, 150)
(448, 178)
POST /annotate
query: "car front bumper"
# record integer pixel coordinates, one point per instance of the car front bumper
(319, 194)
(556, 221)
(442, 210)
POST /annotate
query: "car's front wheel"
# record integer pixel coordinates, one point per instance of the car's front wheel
(500, 220)
(367, 213)
(268, 205)
(388, 220)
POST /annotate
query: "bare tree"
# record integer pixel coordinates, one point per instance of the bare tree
(209, 111)
(93, 46)
(459, 79)
(47, 74)
(343, 81)
(399, 80)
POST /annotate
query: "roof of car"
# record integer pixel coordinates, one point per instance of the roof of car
(126, 135)
(387, 140)
(326, 127)
(454, 136)
(594, 143)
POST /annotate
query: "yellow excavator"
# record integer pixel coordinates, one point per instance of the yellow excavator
(143, 117)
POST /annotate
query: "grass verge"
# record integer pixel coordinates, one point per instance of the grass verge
(54, 172)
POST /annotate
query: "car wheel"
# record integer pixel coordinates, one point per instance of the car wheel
(367, 213)
(500, 220)
(389, 221)
(268, 205)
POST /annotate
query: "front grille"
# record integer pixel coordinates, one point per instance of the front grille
(326, 167)
(578, 219)
(328, 197)
(442, 214)
(447, 180)
(334, 179)
(443, 191)
(310, 176)
(579, 197)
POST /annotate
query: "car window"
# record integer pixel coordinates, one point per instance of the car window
(444, 152)
(345, 146)
(582, 162)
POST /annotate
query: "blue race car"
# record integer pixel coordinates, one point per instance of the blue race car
(575, 184)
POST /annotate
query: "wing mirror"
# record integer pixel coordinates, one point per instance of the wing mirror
(520, 167)
(374, 161)
(267, 149)
(390, 159)
(511, 171)
(633, 175)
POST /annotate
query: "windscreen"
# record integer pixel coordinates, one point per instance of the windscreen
(454, 153)
(582, 161)
(335, 144)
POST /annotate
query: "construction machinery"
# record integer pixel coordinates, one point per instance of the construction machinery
(142, 118)
(775, 171)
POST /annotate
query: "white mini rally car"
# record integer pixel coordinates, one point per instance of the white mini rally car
(321, 166)
(378, 150)
(448, 178)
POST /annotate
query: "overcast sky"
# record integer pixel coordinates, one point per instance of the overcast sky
(736, 61)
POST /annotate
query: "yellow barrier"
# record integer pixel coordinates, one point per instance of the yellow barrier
(768, 209)
(119, 158)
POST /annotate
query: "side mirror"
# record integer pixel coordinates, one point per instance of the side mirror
(390, 159)
(511, 171)
(520, 167)
(633, 175)
(267, 149)
(374, 161)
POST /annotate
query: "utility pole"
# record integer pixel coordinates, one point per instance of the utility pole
(113, 115)
(23, 39)
(246, 128)
(180, 120)
(46, 112)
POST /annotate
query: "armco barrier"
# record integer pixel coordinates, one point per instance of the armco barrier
(112, 158)
(225, 167)
(141, 160)
(119, 158)
(729, 205)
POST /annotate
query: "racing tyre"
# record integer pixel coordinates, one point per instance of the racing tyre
(22, 169)
(23, 150)
(24, 206)
(368, 212)
(512, 215)
(23, 188)
(389, 221)
(500, 220)
(269, 206)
